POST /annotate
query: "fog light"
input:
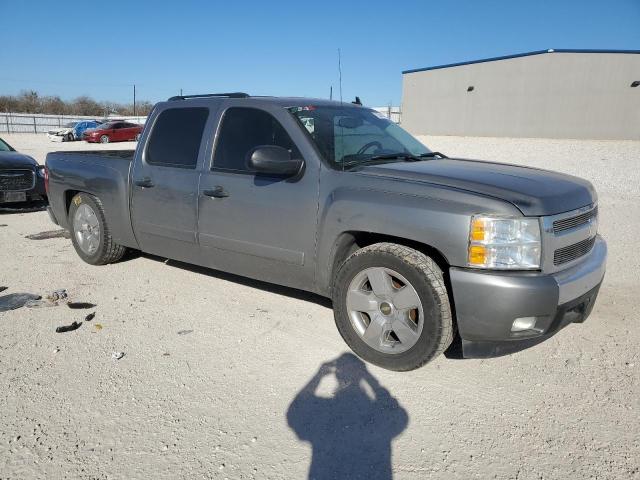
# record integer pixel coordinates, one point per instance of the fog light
(523, 323)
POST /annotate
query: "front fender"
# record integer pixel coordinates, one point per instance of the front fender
(441, 222)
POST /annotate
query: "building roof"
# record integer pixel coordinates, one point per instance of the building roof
(517, 55)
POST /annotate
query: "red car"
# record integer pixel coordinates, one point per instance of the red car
(113, 132)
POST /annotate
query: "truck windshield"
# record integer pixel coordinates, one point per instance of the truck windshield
(349, 136)
(4, 147)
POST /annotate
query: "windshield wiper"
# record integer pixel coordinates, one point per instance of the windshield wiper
(432, 154)
(381, 159)
(392, 156)
(407, 157)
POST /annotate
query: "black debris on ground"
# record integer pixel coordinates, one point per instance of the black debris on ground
(2, 289)
(80, 305)
(90, 317)
(68, 328)
(184, 332)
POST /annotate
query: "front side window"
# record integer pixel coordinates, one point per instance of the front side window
(176, 136)
(244, 129)
(348, 136)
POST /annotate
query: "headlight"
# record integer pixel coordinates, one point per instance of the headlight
(504, 243)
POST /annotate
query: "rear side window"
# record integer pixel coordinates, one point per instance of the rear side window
(176, 136)
(242, 130)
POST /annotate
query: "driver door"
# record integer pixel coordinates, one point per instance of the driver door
(253, 224)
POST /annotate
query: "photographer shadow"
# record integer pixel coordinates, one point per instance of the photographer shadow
(351, 431)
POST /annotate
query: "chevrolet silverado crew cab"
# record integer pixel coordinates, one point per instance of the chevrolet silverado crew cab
(414, 248)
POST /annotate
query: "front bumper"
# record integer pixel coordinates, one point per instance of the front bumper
(55, 138)
(37, 193)
(487, 303)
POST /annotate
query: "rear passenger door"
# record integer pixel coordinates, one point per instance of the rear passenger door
(129, 131)
(165, 183)
(116, 132)
(252, 224)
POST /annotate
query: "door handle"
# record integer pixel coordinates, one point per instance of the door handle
(217, 192)
(144, 182)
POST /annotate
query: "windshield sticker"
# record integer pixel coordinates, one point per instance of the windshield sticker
(308, 123)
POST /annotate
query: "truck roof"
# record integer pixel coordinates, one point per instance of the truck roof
(283, 101)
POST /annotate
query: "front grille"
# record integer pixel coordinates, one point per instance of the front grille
(572, 222)
(16, 180)
(571, 252)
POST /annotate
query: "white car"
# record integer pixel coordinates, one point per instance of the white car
(66, 133)
(71, 131)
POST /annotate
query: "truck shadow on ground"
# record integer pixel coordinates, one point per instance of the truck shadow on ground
(350, 431)
(454, 352)
(230, 277)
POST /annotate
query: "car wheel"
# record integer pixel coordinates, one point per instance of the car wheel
(90, 233)
(391, 306)
(104, 139)
(138, 137)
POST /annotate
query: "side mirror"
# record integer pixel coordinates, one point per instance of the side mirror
(273, 160)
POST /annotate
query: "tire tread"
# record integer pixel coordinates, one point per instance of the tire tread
(433, 274)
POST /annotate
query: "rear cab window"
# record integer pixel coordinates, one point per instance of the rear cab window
(176, 137)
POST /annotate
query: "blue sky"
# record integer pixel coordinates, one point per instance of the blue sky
(281, 47)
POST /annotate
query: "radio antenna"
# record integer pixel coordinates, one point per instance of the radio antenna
(340, 72)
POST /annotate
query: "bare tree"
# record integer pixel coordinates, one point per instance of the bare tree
(31, 102)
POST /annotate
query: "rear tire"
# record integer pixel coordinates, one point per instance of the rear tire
(90, 233)
(423, 306)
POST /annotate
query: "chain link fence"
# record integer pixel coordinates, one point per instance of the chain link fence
(33, 123)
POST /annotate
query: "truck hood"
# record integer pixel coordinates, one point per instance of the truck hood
(533, 191)
(16, 160)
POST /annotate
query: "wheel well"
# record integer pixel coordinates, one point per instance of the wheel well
(68, 196)
(349, 242)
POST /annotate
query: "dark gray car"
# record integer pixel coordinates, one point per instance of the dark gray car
(21, 179)
(414, 248)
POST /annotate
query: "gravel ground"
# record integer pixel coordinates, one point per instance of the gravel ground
(216, 374)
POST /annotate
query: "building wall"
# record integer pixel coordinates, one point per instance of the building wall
(553, 95)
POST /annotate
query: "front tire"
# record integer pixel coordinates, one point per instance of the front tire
(90, 233)
(104, 139)
(391, 306)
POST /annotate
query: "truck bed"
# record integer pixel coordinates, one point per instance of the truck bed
(103, 173)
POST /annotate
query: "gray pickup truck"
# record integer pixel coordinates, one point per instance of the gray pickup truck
(415, 249)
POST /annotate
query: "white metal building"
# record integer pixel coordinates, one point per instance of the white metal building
(549, 93)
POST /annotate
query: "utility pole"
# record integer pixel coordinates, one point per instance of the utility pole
(331, 92)
(180, 92)
(134, 99)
